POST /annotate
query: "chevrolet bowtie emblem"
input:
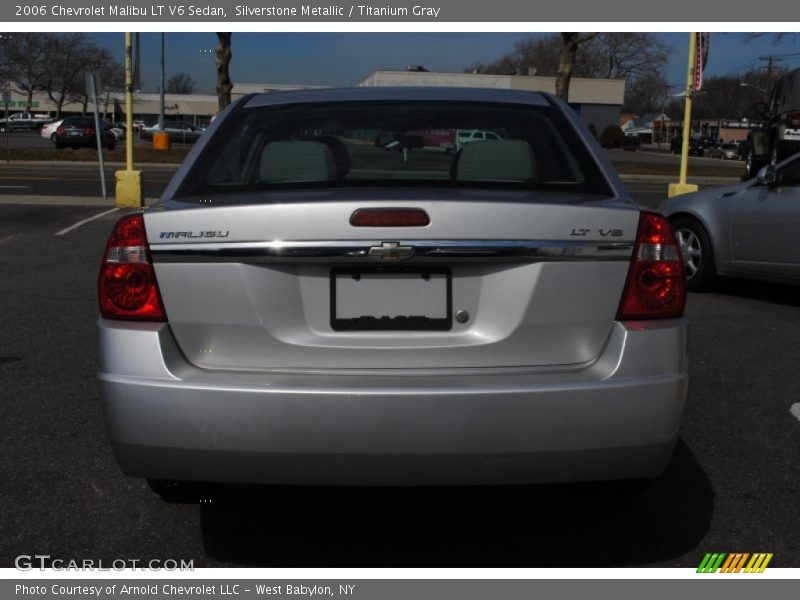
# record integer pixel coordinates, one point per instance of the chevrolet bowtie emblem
(391, 251)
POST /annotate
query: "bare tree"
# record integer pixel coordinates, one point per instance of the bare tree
(223, 62)
(180, 83)
(572, 42)
(540, 53)
(615, 55)
(725, 97)
(71, 56)
(27, 58)
(112, 79)
(628, 55)
(647, 93)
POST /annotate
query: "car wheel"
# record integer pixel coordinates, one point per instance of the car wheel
(698, 255)
(750, 166)
(52, 137)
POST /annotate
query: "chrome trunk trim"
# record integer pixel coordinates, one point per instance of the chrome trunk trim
(421, 250)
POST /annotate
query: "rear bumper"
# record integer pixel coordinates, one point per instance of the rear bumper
(616, 418)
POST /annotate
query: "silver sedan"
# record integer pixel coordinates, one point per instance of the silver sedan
(307, 305)
(744, 230)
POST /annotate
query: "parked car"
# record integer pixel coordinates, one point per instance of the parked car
(780, 136)
(696, 147)
(632, 142)
(708, 141)
(743, 230)
(48, 131)
(306, 308)
(118, 130)
(743, 150)
(729, 151)
(23, 120)
(80, 132)
(179, 132)
(468, 136)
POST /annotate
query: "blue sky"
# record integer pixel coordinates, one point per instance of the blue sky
(342, 59)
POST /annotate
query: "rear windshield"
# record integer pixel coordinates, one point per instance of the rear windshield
(445, 144)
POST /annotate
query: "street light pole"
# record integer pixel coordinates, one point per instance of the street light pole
(7, 98)
(682, 187)
(161, 103)
(130, 193)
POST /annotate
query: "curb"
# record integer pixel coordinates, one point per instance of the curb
(66, 201)
(702, 180)
(84, 163)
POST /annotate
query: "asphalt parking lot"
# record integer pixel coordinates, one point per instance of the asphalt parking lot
(732, 484)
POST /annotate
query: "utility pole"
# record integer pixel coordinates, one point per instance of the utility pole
(770, 61)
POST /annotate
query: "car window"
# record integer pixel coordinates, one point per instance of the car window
(395, 143)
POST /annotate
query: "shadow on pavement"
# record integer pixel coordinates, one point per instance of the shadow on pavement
(775, 293)
(589, 525)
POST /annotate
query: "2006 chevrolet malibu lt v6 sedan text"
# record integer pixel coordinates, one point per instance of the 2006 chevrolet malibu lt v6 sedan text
(326, 295)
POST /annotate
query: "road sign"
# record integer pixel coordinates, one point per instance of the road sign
(98, 84)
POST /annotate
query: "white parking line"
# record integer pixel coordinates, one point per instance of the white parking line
(79, 223)
(795, 410)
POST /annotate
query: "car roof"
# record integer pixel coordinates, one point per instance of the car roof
(361, 94)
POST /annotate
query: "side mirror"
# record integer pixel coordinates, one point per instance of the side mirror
(767, 175)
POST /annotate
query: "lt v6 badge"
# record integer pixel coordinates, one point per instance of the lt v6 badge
(582, 232)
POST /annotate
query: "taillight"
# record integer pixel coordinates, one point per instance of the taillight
(88, 131)
(389, 217)
(60, 131)
(794, 119)
(656, 286)
(127, 287)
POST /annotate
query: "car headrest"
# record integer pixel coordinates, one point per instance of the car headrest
(340, 154)
(286, 162)
(495, 160)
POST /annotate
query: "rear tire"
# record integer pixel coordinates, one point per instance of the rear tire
(751, 165)
(697, 252)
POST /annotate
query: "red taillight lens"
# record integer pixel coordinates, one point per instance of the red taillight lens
(389, 217)
(656, 286)
(127, 287)
(60, 131)
(88, 131)
(794, 119)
